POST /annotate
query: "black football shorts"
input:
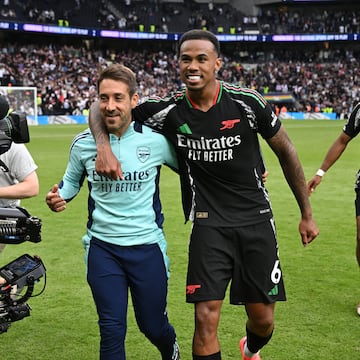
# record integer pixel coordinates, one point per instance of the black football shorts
(246, 257)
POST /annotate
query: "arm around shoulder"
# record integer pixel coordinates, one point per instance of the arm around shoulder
(106, 162)
(97, 126)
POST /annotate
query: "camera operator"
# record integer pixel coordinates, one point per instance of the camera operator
(18, 180)
(18, 177)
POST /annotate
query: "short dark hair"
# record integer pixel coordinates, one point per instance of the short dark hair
(119, 72)
(198, 34)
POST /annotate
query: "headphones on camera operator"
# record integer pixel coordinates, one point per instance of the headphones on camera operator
(17, 226)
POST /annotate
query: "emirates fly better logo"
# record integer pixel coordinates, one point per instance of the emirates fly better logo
(209, 149)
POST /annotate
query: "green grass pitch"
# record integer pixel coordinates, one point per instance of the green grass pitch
(317, 322)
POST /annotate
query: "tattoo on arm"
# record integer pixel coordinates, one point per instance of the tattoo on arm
(97, 126)
(292, 168)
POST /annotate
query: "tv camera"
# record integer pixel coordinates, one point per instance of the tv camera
(17, 278)
(13, 126)
(18, 281)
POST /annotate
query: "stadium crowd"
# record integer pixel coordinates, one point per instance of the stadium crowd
(65, 75)
(275, 18)
(322, 78)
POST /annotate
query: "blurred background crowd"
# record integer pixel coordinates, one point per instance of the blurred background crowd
(319, 76)
(178, 16)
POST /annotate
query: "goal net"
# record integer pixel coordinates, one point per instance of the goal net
(22, 99)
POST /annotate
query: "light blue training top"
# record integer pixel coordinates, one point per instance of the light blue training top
(124, 212)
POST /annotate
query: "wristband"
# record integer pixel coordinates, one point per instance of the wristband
(320, 173)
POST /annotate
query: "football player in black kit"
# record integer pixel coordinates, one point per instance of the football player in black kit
(350, 130)
(214, 128)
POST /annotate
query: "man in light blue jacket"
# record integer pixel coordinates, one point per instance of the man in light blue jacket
(125, 245)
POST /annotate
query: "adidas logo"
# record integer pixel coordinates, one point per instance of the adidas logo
(274, 291)
(184, 129)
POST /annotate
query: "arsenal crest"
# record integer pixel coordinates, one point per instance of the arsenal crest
(143, 153)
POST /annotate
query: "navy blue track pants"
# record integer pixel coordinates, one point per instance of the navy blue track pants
(112, 270)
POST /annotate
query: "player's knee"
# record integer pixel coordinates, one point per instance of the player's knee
(207, 316)
(261, 318)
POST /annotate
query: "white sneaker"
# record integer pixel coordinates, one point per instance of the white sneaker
(176, 353)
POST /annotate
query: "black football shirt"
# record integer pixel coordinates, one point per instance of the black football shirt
(220, 158)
